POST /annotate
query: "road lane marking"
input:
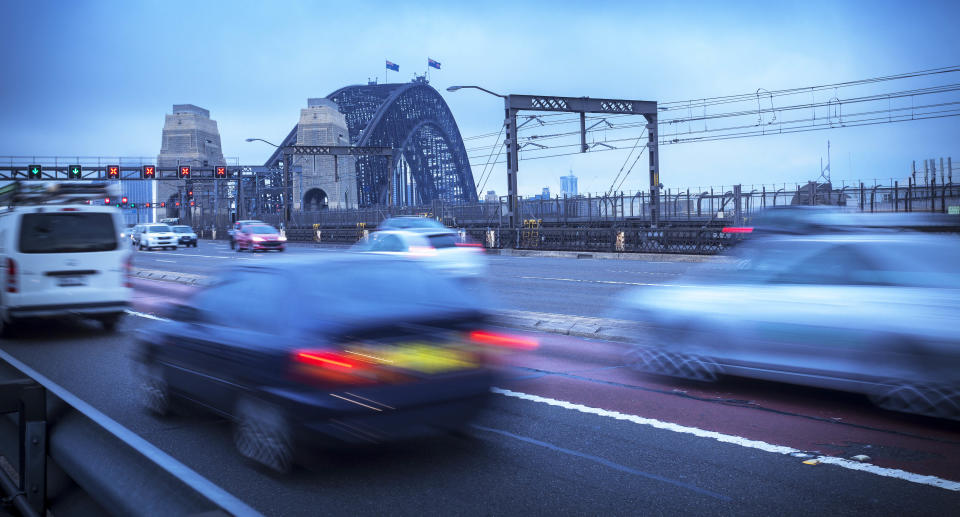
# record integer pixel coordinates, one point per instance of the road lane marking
(580, 280)
(739, 440)
(603, 461)
(145, 315)
(165, 260)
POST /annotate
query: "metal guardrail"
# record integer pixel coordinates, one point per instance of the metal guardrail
(72, 459)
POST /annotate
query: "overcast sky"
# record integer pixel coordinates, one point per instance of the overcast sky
(96, 78)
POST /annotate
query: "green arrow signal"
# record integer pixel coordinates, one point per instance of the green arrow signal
(34, 171)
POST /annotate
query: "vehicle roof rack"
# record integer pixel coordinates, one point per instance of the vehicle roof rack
(21, 193)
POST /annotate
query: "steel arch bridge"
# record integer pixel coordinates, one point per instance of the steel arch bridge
(431, 161)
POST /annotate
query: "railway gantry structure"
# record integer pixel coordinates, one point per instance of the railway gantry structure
(429, 161)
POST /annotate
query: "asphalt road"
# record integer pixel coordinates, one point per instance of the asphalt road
(584, 287)
(570, 432)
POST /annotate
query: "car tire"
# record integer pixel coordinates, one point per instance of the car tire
(155, 392)
(929, 400)
(140, 246)
(262, 434)
(109, 323)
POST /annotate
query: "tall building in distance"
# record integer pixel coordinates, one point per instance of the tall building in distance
(491, 197)
(568, 185)
(324, 181)
(190, 137)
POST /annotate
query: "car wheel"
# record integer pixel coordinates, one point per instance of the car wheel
(262, 434)
(110, 322)
(140, 247)
(661, 362)
(155, 392)
(933, 400)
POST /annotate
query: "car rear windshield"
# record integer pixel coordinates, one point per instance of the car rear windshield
(158, 228)
(183, 229)
(67, 232)
(443, 240)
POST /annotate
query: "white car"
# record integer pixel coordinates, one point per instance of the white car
(60, 256)
(443, 250)
(157, 236)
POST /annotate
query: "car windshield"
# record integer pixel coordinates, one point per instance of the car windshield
(183, 229)
(67, 233)
(157, 228)
(260, 229)
(404, 223)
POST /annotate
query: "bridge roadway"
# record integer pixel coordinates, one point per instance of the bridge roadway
(572, 432)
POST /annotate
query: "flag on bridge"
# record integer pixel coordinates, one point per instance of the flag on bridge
(434, 64)
(393, 66)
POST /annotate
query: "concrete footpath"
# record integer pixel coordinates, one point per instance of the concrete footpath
(564, 324)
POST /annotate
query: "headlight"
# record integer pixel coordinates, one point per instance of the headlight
(282, 239)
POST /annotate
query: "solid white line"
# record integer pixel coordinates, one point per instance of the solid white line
(738, 440)
(165, 260)
(595, 281)
(145, 315)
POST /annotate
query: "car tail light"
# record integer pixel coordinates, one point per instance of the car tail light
(128, 272)
(11, 276)
(738, 229)
(422, 251)
(469, 245)
(486, 337)
(325, 359)
(331, 368)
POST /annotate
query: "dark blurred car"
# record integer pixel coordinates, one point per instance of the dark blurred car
(872, 312)
(411, 223)
(302, 354)
(186, 234)
(255, 237)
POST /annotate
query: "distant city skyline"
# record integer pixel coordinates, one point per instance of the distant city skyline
(584, 50)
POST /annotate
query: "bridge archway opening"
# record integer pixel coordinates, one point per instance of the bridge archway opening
(315, 199)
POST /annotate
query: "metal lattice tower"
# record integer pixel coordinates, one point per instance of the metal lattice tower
(431, 160)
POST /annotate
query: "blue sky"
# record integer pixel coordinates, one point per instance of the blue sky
(96, 78)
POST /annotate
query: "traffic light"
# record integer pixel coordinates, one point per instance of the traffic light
(106, 201)
(34, 172)
(192, 203)
(113, 172)
(220, 171)
(178, 203)
(183, 172)
(163, 204)
(148, 172)
(147, 205)
(190, 193)
(75, 172)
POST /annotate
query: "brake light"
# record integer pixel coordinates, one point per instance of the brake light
(738, 229)
(486, 337)
(11, 276)
(69, 209)
(469, 245)
(324, 359)
(422, 251)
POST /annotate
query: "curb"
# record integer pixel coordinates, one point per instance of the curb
(607, 329)
(602, 255)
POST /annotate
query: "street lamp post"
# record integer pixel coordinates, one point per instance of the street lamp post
(510, 139)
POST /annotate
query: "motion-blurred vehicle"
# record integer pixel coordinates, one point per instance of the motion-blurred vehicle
(440, 250)
(872, 312)
(342, 349)
(60, 256)
(187, 237)
(255, 237)
(155, 235)
(411, 223)
(237, 226)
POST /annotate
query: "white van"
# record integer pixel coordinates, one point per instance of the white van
(61, 256)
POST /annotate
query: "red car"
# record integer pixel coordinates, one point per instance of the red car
(255, 237)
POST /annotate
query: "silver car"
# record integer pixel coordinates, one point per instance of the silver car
(443, 250)
(874, 313)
